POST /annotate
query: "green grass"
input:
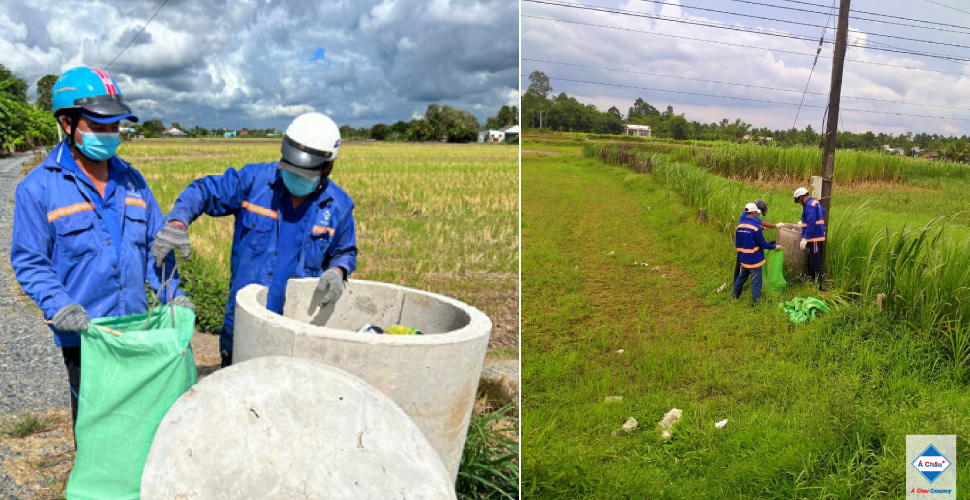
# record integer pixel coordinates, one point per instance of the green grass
(27, 423)
(489, 464)
(815, 411)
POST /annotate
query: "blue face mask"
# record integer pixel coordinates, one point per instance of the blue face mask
(99, 146)
(297, 184)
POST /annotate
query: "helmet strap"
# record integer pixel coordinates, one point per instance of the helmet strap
(325, 171)
(74, 118)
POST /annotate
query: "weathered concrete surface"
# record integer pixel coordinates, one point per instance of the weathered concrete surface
(285, 428)
(795, 257)
(433, 377)
(500, 381)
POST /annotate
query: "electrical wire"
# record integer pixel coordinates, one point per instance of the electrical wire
(812, 71)
(745, 29)
(136, 35)
(749, 99)
(884, 15)
(782, 51)
(947, 6)
(778, 89)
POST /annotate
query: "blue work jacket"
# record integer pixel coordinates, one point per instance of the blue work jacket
(253, 195)
(813, 220)
(750, 242)
(62, 250)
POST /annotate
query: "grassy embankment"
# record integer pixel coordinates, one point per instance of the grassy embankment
(815, 411)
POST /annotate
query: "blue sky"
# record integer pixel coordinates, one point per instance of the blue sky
(260, 63)
(633, 46)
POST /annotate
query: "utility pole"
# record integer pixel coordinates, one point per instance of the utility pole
(835, 96)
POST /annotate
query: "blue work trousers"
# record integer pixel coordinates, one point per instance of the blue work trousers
(755, 283)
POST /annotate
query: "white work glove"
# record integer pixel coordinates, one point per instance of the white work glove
(332, 284)
(803, 243)
(780, 225)
(183, 301)
(779, 247)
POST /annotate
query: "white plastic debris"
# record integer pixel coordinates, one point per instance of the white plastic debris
(613, 399)
(721, 288)
(670, 418)
(628, 426)
(619, 351)
(721, 424)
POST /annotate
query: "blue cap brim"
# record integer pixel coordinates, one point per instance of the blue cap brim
(110, 119)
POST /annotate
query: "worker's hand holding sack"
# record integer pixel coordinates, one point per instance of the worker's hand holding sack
(183, 301)
(802, 244)
(71, 318)
(173, 236)
(332, 284)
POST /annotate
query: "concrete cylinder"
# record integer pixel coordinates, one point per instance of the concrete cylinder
(433, 377)
(284, 428)
(795, 258)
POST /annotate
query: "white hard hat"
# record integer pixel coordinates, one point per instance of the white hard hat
(311, 141)
(800, 192)
(751, 207)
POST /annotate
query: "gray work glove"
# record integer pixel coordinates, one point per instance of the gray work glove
(171, 237)
(183, 301)
(332, 283)
(71, 318)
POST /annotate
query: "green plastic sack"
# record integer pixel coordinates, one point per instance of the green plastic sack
(773, 272)
(128, 383)
(800, 310)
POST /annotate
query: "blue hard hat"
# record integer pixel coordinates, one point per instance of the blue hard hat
(92, 92)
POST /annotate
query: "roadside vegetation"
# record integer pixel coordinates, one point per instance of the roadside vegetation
(625, 294)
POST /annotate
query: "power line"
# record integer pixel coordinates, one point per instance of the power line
(812, 71)
(798, 23)
(796, 91)
(860, 18)
(735, 44)
(749, 99)
(884, 15)
(136, 35)
(947, 6)
(744, 29)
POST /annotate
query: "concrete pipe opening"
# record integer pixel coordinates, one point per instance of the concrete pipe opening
(433, 377)
(284, 428)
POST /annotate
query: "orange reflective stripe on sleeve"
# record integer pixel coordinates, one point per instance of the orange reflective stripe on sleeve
(820, 222)
(749, 250)
(256, 209)
(322, 229)
(68, 210)
(748, 226)
(802, 224)
(753, 266)
(814, 203)
(136, 201)
(820, 238)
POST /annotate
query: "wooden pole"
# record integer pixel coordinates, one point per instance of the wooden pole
(835, 96)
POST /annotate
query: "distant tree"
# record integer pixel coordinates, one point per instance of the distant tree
(17, 87)
(44, 87)
(198, 131)
(679, 128)
(379, 131)
(615, 112)
(152, 128)
(535, 101)
(539, 84)
(400, 128)
(419, 130)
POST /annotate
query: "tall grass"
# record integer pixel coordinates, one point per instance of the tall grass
(924, 273)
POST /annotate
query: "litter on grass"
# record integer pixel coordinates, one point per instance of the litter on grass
(613, 399)
(721, 424)
(721, 288)
(619, 351)
(628, 426)
(670, 418)
(802, 309)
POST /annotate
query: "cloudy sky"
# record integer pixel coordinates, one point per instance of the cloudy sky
(645, 52)
(259, 63)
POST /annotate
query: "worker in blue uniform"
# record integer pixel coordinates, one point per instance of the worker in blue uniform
(813, 233)
(84, 220)
(750, 243)
(291, 220)
(763, 207)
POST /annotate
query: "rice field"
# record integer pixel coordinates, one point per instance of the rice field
(438, 217)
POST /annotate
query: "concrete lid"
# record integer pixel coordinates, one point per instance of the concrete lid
(282, 427)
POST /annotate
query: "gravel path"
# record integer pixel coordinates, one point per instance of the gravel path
(32, 373)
